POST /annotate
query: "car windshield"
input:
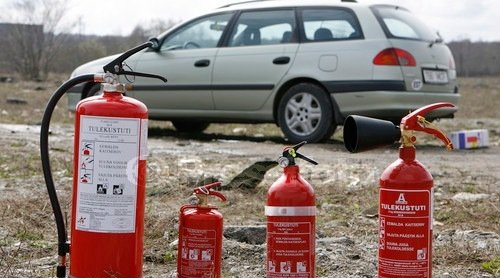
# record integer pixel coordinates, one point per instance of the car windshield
(400, 23)
(201, 33)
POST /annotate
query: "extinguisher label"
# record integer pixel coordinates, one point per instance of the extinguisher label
(405, 233)
(144, 139)
(197, 252)
(290, 242)
(108, 168)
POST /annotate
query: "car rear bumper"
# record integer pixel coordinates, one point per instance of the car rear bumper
(393, 105)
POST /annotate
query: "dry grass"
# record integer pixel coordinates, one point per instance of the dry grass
(27, 234)
(480, 98)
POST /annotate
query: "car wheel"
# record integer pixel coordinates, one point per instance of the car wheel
(305, 113)
(190, 126)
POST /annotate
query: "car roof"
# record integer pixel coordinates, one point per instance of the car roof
(258, 4)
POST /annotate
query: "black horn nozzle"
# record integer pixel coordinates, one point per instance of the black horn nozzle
(364, 133)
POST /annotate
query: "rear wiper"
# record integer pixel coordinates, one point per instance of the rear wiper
(439, 39)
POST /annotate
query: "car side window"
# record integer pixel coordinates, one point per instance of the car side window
(328, 24)
(264, 28)
(202, 33)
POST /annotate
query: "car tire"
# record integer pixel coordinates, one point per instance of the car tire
(190, 126)
(305, 113)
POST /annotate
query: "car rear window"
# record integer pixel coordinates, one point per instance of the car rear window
(400, 23)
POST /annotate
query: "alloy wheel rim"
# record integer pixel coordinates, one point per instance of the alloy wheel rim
(303, 114)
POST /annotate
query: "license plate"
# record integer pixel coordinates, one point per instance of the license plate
(435, 76)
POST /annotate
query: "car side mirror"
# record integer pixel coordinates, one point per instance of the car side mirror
(155, 44)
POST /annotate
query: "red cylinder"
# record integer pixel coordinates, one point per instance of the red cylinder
(107, 225)
(200, 242)
(291, 220)
(405, 218)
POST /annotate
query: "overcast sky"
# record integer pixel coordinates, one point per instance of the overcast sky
(477, 20)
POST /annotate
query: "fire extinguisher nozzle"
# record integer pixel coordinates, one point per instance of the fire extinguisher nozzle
(364, 133)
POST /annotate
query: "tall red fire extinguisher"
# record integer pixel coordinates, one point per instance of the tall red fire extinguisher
(291, 221)
(199, 252)
(108, 185)
(406, 193)
(107, 217)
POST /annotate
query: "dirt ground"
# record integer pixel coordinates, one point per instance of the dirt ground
(466, 230)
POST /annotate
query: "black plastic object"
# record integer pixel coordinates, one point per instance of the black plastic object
(364, 133)
(290, 153)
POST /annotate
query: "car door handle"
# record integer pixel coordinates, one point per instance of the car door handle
(283, 60)
(202, 63)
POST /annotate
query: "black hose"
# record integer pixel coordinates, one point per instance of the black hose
(63, 245)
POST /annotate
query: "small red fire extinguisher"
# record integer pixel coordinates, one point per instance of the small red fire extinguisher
(291, 220)
(107, 217)
(406, 194)
(200, 235)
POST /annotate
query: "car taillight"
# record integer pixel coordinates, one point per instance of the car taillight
(394, 57)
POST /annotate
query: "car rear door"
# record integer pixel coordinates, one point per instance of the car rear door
(259, 52)
(186, 59)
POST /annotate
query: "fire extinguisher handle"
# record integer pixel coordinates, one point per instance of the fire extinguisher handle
(416, 121)
(218, 195)
(410, 121)
(141, 74)
(116, 66)
(208, 190)
(290, 153)
(205, 189)
(310, 160)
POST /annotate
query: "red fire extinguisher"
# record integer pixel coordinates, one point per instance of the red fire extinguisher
(291, 220)
(406, 193)
(199, 252)
(107, 222)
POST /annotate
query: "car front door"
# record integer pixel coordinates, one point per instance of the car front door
(259, 52)
(185, 59)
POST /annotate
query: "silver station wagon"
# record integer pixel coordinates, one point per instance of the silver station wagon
(304, 65)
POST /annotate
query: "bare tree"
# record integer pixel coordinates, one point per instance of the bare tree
(36, 37)
(151, 29)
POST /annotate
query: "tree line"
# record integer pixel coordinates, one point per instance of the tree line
(32, 54)
(476, 58)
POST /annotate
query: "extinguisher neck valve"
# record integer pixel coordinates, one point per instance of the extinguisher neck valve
(407, 153)
(113, 88)
(202, 200)
(204, 191)
(290, 154)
